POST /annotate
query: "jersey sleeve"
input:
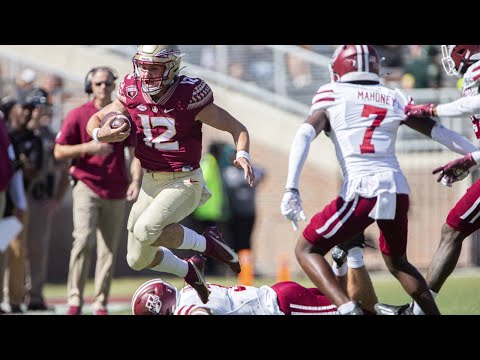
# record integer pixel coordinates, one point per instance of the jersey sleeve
(122, 88)
(202, 95)
(323, 99)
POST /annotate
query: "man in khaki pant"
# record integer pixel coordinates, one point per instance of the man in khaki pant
(100, 187)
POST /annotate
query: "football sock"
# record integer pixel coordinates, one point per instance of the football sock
(193, 240)
(355, 258)
(171, 264)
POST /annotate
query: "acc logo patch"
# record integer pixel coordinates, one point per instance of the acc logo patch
(132, 91)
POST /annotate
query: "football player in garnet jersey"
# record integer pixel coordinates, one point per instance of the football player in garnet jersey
(169, 110)
(362, 118)
(157, 297)
(464, 218)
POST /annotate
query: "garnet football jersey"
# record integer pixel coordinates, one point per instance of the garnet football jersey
(168, 136)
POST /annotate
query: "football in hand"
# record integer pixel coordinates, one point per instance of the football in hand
(117, 122)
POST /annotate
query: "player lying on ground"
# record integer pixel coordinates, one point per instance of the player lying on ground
(157, 297)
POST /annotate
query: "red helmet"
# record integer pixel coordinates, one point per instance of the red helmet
(355, 63)
(458, 58)
(155, 297)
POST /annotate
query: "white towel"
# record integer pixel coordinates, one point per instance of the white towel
(385, 207)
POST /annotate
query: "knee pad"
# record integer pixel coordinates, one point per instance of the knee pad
(144, 233)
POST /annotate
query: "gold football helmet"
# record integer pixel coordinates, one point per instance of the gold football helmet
(166, 55)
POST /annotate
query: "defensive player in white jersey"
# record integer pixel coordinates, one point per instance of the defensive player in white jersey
(157, 297)
(362, 117)
(464, 218)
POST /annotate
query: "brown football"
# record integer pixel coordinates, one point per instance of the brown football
(117, 122)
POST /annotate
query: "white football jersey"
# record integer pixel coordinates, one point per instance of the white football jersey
(364, 122)
(471, 80)
(471, 84)
(231, 300)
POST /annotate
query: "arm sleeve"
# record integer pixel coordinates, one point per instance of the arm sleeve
(468, 105)
(298, 153)
(452, 140)
(17, 191)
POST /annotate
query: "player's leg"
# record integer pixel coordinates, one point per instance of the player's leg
(349, 267)
(393, 245)
(338, 221)
(178, 198)
(295, 299)
(463, 220)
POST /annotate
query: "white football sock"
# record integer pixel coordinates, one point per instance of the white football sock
(193, 240)
(171, 264)
(355, 258)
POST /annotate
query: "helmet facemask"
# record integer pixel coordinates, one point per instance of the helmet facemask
(456, 59)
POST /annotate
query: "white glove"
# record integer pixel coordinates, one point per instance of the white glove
(291, 207)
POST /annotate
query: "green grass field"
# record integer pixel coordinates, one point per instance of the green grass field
(460, 295)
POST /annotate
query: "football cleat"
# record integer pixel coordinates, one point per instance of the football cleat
(218, 249)
(340, 252)
(195, 277)
(385, 309)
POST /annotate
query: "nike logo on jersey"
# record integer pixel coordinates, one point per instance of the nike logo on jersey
(167, 111)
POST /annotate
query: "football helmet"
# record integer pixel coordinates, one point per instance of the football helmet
(456, 59)
(166, 55)
(355, 63)
(155, 297)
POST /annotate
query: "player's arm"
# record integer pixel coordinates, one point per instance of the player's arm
(306, 133)
(291, 205)
(468, 105)
(106, 133)
(436, 131)
(220, 119)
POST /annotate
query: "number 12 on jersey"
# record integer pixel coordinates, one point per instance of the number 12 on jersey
(366, 147)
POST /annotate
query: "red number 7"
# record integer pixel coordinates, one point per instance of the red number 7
(367, 147)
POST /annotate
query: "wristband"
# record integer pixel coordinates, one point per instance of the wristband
(95, 134)
(243, 153)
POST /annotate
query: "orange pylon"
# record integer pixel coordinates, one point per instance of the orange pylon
(246, 277)
(283, 272)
